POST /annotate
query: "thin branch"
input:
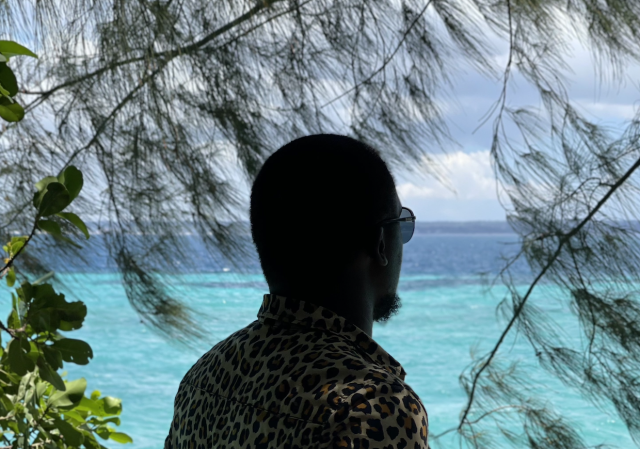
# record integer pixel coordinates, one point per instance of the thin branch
(508, 265)
(6, 329)
(169, 54)
(553, 258)
(484, 415)
(387, 60)
(119, 106)
(502, 100)
(33, 231)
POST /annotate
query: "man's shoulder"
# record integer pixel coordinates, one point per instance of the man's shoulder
(377, 389)
(220, 354)
(383, 412)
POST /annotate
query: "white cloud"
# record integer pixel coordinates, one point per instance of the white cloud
(469, 177)
(468, 192)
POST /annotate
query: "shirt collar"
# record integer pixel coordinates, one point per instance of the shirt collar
(307, 314)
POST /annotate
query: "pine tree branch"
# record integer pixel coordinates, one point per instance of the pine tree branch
(544, 270)
(387, 60)
(113, 112)
(167, 55)
(500, 104)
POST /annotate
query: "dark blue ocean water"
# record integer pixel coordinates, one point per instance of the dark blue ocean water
(446, 312)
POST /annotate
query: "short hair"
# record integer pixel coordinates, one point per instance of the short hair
(312, 203)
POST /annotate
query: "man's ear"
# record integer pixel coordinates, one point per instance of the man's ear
(381, 255)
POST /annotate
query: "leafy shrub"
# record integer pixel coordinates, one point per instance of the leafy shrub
(38, 408)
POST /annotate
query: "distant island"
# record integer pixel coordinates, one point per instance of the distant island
(495, 227)
(463, 227)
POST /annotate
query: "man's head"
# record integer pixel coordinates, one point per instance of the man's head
(314, 209)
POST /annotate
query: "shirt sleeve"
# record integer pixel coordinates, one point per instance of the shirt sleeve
(378, 417)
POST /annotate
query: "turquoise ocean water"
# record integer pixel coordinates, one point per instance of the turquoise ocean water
(446, 310)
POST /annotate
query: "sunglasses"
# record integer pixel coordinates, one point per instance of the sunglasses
(407, 223)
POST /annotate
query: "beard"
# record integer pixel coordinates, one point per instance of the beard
(386, 307)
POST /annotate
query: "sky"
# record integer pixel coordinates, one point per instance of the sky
(472, 194)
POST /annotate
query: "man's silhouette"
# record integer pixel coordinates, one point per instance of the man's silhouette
(329, 228)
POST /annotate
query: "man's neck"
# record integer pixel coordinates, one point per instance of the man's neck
(350, 303)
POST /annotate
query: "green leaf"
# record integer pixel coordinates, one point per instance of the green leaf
(52, 356)
(7, 377)
(50, 375)
(26, 383)
(44, 182)
(115, 420)
(6, 402)
(18, 360)
(8, 79)
(54, 200)
(95, 407)
(72, 180)
(76, 221)
(53, 228)
(50, 226)
(4, 92)
(104, 432)
(14, 320)
(11, 277)
(120, 437)
(112, 406)
(66, 326)
(74, 351)
(26, 344)
(34, 352)
(11, 111)
(95, 395)
(15, 247)
(3, 58)
(72, 414)
(41, 388)
(49, 311)
(25, 292)
(72, 436)
(10, 48)
(19, 238)
(43, 292)
(72, 396)
(14, 426)
(30, 391)
(90, 441)
(102, 408)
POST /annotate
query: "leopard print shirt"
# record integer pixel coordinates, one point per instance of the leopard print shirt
(298, 377)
